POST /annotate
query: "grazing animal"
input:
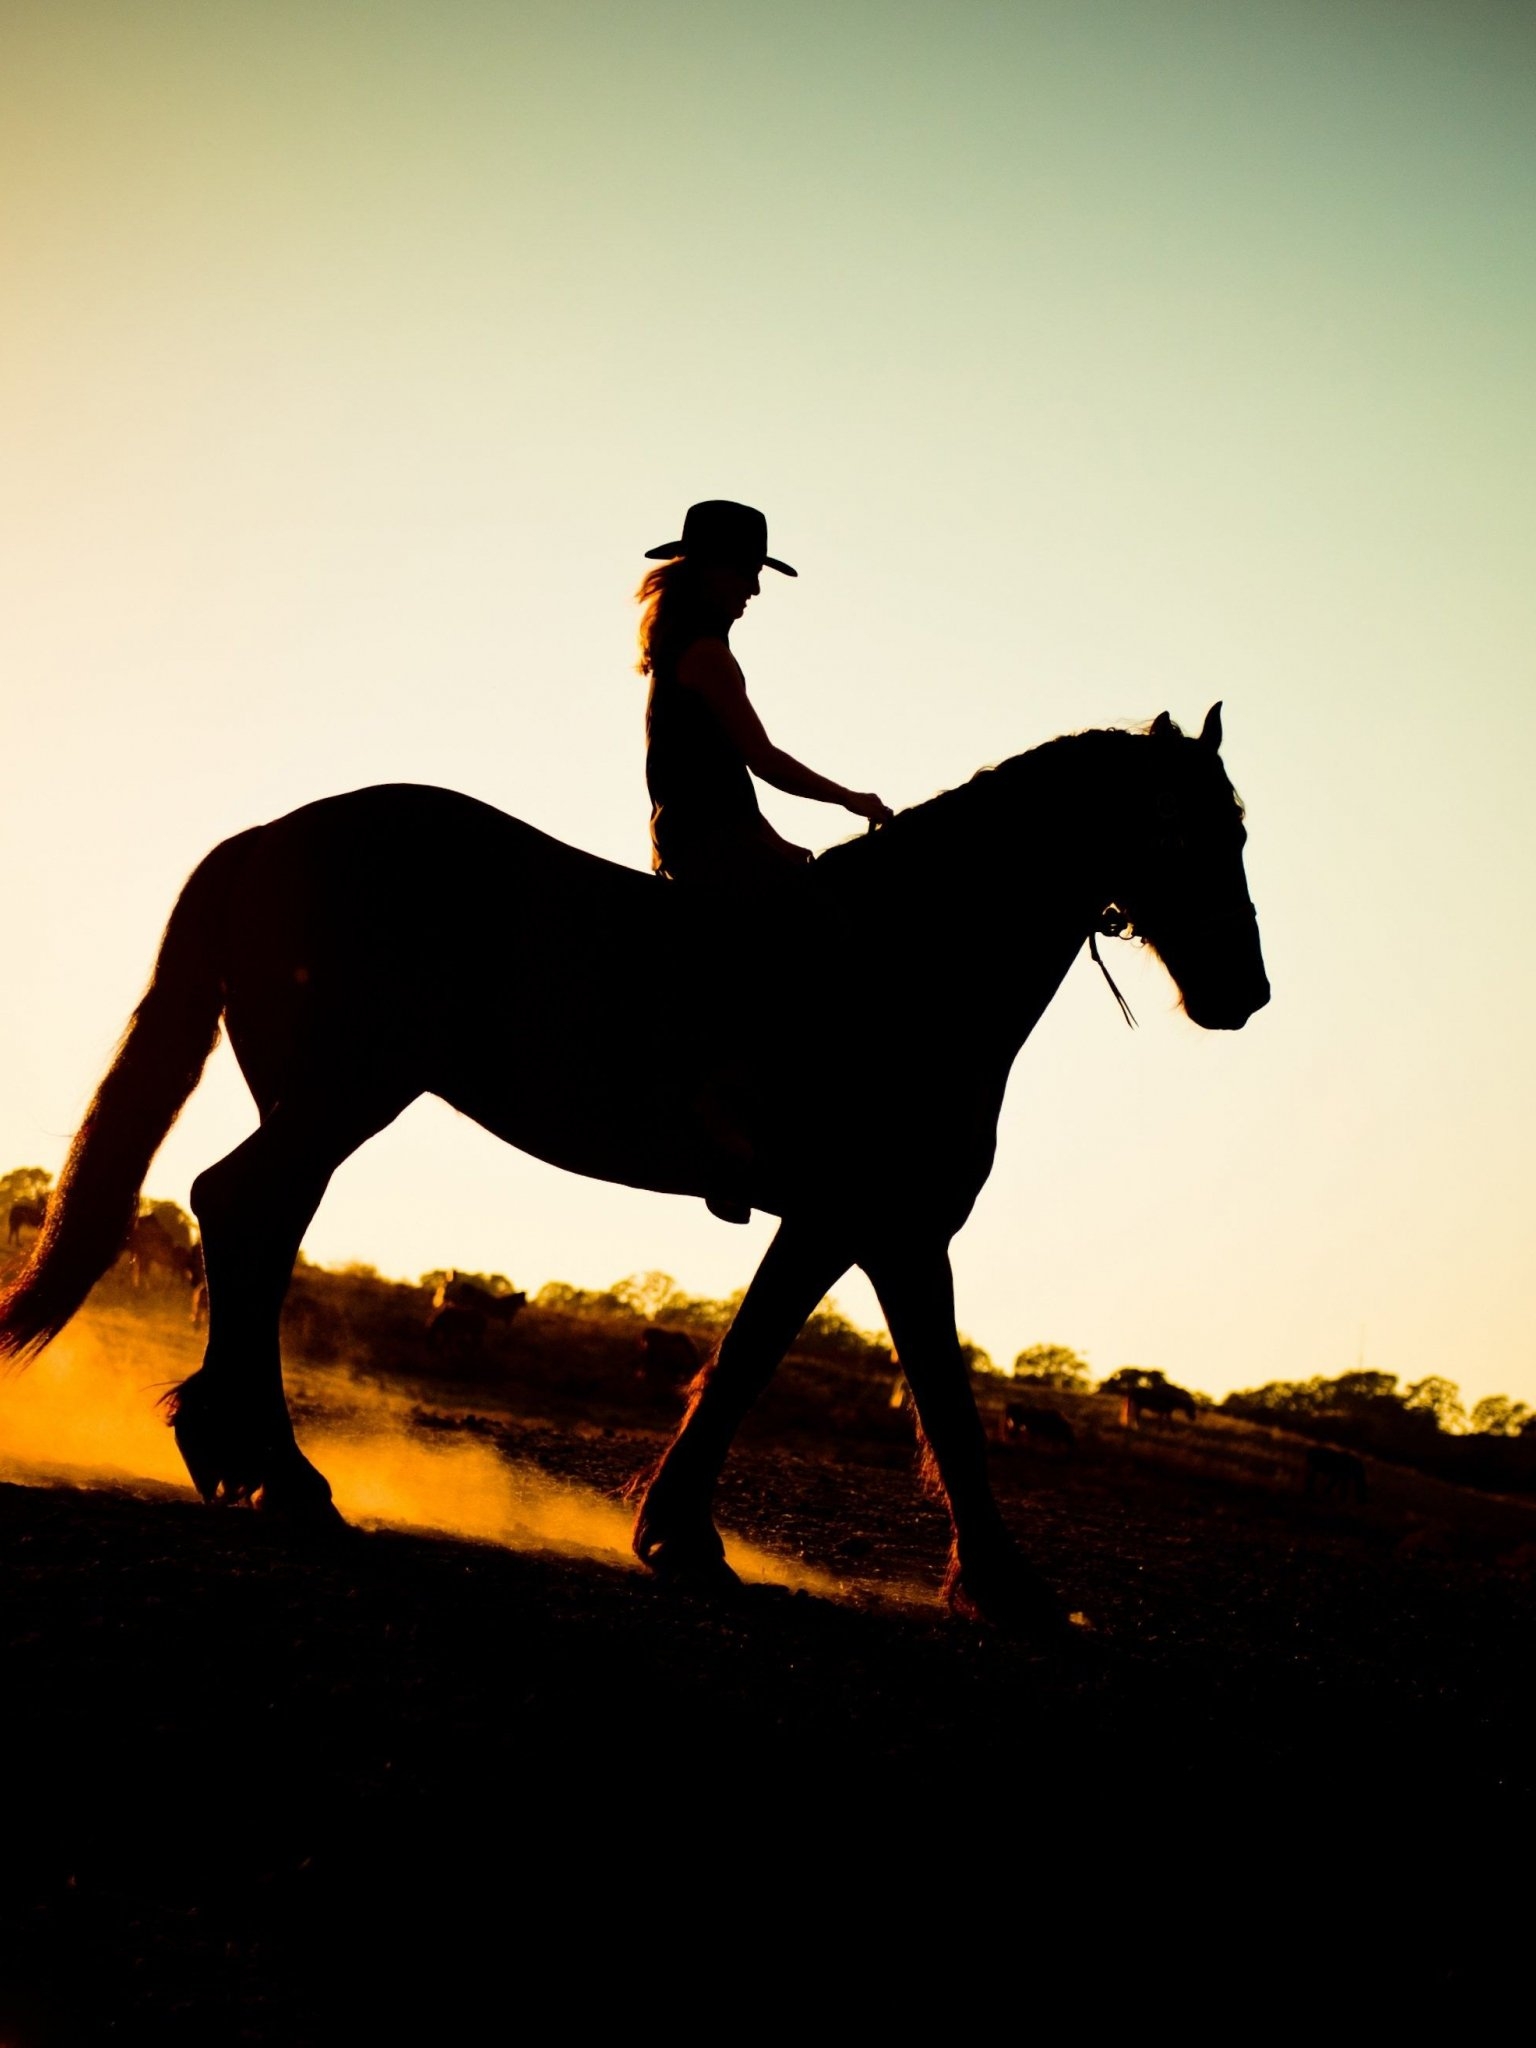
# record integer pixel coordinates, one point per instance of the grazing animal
(1041, 1426)
(457, 1292)
(153, 1249)
(456, 1332)
(1334, 1475)
(462, 1313)
(1161, 1403)
(668, 1358)
(26, 1215)
(1144, 1391)
(303, 935)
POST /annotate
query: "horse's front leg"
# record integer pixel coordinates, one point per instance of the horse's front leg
(988, 1577)
(674, 1529)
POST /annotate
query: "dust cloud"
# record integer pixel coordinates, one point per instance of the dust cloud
(88, 1413)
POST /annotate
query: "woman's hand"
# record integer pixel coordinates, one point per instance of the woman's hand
(868, 805)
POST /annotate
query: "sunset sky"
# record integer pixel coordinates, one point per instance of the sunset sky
(1087, 359)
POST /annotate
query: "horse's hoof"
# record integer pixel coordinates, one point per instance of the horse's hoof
(1014, 1600)
(693, 1561)
(311, 1517)
(299, 1497)
(710, 1579)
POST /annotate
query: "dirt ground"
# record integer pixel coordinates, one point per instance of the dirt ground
(268, 1791)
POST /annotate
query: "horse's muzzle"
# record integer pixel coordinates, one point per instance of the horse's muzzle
(1226, 1012)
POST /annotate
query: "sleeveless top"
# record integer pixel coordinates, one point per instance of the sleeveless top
(705, 820)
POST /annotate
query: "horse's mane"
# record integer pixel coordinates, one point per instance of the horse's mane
(942, 819)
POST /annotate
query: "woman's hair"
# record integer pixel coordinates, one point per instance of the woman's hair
(666, 597)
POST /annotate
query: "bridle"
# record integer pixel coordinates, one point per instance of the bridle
(1113, 923)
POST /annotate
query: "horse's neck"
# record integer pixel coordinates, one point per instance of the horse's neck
(992, 887)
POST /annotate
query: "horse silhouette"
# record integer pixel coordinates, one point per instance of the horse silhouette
(1145, 1391)
(874, 1129)
(1162, 1403)
(1039, 1426)
(27, 1214)
(462, 1313)
(668, 1358)
(454, 1291)
(153, 1249)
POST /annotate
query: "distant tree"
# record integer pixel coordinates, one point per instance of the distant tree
(699, 1312)
(656, 1297)
(558, 1295)
(1285, 1399)
(493, 1283)
(828, 1331)
(1358, 1390)
(646, 1293)
(1052, 1365)
(1497, 1415)
(976, 1360)
(1359, 1396)
(1439, 1398)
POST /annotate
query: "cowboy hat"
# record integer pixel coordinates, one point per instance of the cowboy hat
(720, 531)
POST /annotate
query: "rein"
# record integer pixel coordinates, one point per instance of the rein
(1114, 925)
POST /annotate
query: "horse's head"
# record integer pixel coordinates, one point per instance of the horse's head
(1181, 885)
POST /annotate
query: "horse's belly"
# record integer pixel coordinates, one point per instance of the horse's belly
(610, 1122)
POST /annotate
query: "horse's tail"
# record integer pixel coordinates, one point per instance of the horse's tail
(158, 1063)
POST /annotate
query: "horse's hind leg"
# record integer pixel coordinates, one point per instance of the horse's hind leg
(231, 1418)
(674, 1530)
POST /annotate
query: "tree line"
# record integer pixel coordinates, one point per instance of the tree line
(1424, 1423)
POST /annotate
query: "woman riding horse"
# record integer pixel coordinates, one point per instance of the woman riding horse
(702, 735)
(300, 936)
(703, 744)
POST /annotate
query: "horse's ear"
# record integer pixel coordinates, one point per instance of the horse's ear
(1210, 732)
(1162, 727)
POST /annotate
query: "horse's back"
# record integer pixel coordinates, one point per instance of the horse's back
(425, 829)
(390, 873)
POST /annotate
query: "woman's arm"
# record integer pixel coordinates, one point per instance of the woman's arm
(710, 668)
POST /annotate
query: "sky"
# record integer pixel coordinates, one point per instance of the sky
(1087, 360)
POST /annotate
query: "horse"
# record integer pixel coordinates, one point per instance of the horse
(668, 1359)
(873, 1131)
(454, 1291)
(1163, 1403)
(1040, 1426)
(462, 1314)
(456, 1333)
(1145, 1391)
(26, 1215)
(152, 1249)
